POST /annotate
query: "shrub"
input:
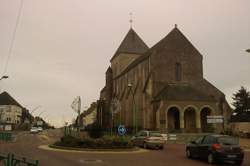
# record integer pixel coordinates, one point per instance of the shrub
(70, 141)
(106, 142)
(95, 131)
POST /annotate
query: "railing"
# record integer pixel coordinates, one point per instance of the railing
(12, 160)
(4, 136)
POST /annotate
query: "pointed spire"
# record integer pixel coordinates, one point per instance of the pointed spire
(131, 20)
(132, 43)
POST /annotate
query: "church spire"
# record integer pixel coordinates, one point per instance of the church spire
(131, 20)
(132, 44)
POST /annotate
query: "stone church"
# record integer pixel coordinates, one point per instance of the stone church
(160, 88)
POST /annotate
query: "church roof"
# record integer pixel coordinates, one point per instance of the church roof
(182, 92)
(132, 43)
(6, 99)
(174, 40)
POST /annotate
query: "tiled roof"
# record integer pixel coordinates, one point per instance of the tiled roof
(6, 99)
(132, 43)
(182, 92)
(174, 40)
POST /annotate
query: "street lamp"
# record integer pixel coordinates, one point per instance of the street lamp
(4, 77)
(41, 113)
(35, 109)
(130, 86)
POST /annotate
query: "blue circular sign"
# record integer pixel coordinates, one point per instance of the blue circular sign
(121, 130)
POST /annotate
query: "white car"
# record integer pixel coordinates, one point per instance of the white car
(34, 130)
(165, 137)
(40, 129)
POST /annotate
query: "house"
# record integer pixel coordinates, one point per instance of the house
(10, 112)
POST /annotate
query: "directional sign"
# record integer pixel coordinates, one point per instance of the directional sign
(215, 119)
(121, 130)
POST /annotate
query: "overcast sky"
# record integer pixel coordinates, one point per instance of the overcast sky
(63, 47)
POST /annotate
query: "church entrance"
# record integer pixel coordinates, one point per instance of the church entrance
(173, 119)
(189, 120)
(206, 127)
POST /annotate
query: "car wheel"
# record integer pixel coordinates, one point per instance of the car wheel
(239, 163)
(161, 147)
(210, 158)
(145, 146)
(188, 153)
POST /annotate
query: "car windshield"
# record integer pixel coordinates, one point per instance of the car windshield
(228, 140)
(155, 134)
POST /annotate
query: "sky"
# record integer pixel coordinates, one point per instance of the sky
(62, 48)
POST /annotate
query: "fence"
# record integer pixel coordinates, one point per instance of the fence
(12, 160)
(4, 136)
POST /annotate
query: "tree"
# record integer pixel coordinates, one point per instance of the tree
(241, 100)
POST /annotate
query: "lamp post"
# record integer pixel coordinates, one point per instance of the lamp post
(35, 109)
(41, 113)
(3, 77)
(130, 86)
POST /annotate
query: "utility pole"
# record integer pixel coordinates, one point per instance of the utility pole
(134, 109)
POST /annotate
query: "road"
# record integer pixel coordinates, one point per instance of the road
(27, 145)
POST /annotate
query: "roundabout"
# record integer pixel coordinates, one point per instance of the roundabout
(88, 151)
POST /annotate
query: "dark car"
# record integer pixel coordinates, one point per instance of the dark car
(216, 148)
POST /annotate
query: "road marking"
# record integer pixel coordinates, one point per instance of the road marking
(46, 147)
(90, 161)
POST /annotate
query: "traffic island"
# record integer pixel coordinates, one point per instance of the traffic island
(96, 151)
(114, 144)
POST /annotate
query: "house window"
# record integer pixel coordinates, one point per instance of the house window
(178, 72)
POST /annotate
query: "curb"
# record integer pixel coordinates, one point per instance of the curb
(90, 151)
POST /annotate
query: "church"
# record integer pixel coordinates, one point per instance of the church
(160, 88)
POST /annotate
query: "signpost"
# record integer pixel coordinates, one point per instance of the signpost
(76, 106)
(121, 130)
(39, 123)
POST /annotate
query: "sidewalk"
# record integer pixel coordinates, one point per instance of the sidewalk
(245, 143)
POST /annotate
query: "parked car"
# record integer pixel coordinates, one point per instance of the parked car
(40, 129)
(34, 130)
(216, 148)
(148, 139)
(165, 137)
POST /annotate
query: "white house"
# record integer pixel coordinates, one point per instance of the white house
(10, 112)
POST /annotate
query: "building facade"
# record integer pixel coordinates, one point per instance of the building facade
(10, 112)
(160, 88)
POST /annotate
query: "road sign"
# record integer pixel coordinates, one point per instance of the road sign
(39, 123)
(172, 137)
(121, 130)
(215, 119)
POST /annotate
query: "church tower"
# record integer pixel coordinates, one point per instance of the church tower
(131, 48)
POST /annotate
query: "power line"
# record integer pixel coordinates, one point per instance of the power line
(13, 38)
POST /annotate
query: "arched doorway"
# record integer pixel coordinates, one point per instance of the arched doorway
(189, 120)
(173, 119)
(205, 127)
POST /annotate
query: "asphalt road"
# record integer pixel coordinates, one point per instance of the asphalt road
(27, 145)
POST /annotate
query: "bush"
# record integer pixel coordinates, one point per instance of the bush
(95, 131)
(69, 141)
(106, 142)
